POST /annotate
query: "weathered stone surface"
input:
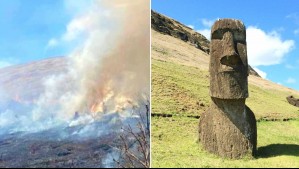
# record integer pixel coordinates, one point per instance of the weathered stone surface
(228, 127)
(228, 62)
(293, 101)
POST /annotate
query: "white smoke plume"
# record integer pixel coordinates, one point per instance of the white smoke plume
(109, 72)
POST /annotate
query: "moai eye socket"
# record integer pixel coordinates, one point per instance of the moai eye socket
(238, 36)
(218, 34)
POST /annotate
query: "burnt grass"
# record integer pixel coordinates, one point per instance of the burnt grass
(42, 150)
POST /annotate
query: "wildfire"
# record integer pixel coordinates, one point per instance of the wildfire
(99, 104)
(122, 103)
(97, 107)
(115, 103)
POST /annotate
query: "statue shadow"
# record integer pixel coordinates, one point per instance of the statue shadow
(273, 150)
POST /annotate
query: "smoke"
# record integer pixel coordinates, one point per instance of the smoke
(109, 71)
(109, 160)
(111, 68)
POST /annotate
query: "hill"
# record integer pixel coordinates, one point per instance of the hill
(180, 84)
(25, 81)
(26, 142)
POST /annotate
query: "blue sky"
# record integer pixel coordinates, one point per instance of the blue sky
(272, 30)
(33, 29)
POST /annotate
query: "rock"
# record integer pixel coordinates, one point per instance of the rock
(228, 127)
(293, 101)
(165, 25)
(252, 71)
(173, 28)
(228, 62)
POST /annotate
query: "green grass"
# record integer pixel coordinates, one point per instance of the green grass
(179, 90)
(270, 104)
(183, 91)
(174, 144)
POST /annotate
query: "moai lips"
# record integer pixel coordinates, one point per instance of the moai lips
(228, 127)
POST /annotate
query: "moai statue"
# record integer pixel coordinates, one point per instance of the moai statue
(228, 127)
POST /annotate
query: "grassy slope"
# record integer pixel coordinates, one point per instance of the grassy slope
(181, 88)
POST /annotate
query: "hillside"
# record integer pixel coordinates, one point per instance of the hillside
(75, 143)
(25, 82)
(171, 54)
(168, 26)
(180, 93)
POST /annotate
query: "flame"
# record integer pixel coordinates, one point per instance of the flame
(123, 102)
(99, 103)
(93, 108)
(116, 103)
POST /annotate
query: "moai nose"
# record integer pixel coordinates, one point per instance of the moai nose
(230, 57)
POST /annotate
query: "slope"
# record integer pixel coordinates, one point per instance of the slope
(180, 75)
(180, 93)
(25, 82)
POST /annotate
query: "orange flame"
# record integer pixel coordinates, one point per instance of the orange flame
(97, 107)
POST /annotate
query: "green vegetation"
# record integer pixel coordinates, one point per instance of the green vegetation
(174, 144)
(178, 89)
(183, 92)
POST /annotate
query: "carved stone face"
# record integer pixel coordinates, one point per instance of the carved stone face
(228, 62)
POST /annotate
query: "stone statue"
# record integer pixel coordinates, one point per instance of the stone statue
(228, 127)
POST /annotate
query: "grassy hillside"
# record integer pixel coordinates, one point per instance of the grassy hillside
(180, 92)
(184, 90)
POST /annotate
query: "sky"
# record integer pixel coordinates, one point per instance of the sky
(37, 29)
(272, 29)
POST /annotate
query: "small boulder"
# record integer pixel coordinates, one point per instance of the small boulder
(293, 101)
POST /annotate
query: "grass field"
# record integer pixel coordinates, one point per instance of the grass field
(183, 93)
(174, 144)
